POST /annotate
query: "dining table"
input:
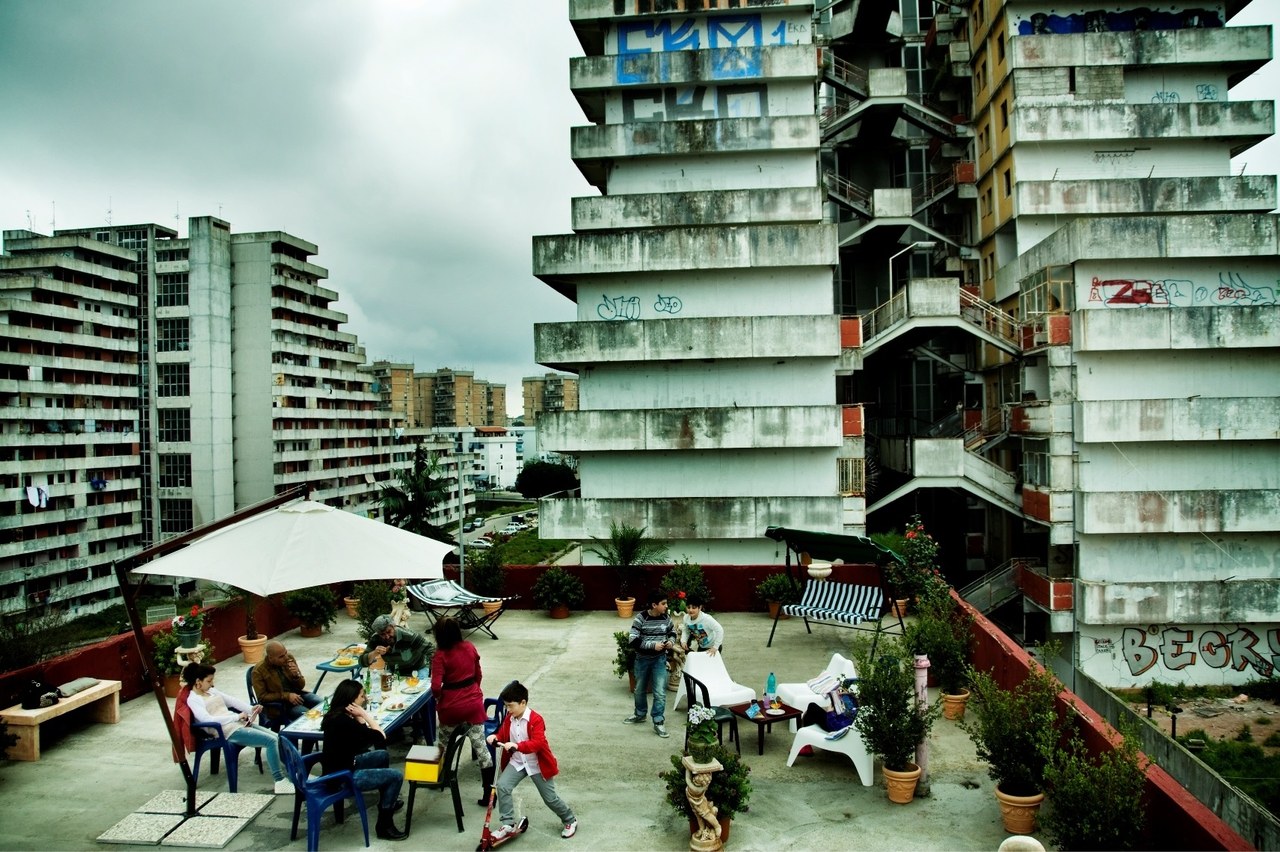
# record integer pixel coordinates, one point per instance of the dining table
(395, 709)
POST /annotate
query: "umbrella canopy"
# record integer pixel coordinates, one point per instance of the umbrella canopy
(303, 544)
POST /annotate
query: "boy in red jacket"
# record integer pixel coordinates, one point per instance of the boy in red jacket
(525, 751)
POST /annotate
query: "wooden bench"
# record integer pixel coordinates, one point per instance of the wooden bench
(103, 698)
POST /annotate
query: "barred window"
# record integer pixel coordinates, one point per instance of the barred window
(175, 470)
(852, 476)
(173, 379)
(171, 289)
(175, 424)
(175, 516)
(172, 334)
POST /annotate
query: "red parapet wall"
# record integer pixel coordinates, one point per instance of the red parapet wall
(1053, 595)
(850, 332)
(1175, 818)
(1035, 503)
(851, 421)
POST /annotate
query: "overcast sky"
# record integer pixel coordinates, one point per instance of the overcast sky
(419, 144)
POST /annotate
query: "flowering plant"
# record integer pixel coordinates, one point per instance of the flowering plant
(397, 591)
(676, 602)
(919, 551)
(193, 620)
(702, 724)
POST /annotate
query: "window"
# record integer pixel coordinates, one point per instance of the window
(1000, 46)
(175, 516)
(175, 470)
(1071, 80)
(1004, 115)
(172, 334)
(985, 204)
(173, 380)
(175, 425)
(171, 289)
(1008, 182)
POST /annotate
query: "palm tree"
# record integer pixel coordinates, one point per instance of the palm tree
(625, 549)
(410, 505)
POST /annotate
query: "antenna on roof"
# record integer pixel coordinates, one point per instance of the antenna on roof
(108, 211)
(53, 214)
(31, 225)
(176, 214)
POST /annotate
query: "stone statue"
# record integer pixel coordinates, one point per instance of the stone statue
(697, 778)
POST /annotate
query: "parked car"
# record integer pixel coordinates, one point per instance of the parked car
(480, 544)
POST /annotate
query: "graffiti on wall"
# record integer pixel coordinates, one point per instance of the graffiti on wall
(1174, 648)
(736, 42)
(1231, 290)
(618, 307)
(1102, 21)
(668, 304)
(694, 102)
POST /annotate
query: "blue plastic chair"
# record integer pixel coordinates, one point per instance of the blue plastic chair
(214, 741)
(319, 793)
(494, 711)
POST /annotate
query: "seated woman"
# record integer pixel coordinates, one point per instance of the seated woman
(235, 717)
(350, 732)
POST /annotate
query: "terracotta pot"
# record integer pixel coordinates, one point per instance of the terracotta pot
(560, 611)
(953, 705)
(310, 631)
(352, 603)
(774, 606)
(725, 824)
(254, 650)
(900, 607)
(1019, 812)
(626, 606)
(901, 786)
(172, 683)
(490, 607)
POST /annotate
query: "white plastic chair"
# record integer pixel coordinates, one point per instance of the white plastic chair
(800, 696)
(711, 671)
(850, 745)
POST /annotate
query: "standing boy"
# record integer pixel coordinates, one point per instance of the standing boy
(522, 736)
(652, 636)
(698, 632)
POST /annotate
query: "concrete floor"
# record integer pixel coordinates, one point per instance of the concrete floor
(93, 776)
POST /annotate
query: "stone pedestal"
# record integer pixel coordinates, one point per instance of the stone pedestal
(697, 777)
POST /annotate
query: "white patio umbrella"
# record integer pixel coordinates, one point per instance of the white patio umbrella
(302, 544)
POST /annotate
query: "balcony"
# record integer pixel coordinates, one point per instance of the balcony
(1197, 418)
(1251, 510)
(709, 208)
(690, 429)
(1139, 196)
(687, 517)
(1242, 123)
(1053, 595)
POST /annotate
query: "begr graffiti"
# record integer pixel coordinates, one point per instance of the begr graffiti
(1231, 290)
(1216, 649)
(668, 304)
(619, 308)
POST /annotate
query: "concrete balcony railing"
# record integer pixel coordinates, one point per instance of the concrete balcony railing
(1238, 121)
(1142, 512)
(1188, 327)
(1138, 196)
(1197, 418)
(1244, 49)
(1053, 595)
(690, 429)
(710, 208)
(686, 517)
(564, 345)
(1041, 417)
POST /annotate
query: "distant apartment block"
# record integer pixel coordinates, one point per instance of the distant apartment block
(551, 392)
(396, 390)
(457, 398)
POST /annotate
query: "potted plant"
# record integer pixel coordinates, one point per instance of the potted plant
(908, 579)
(252, 643)
(164, 646)
(487, 576)
(351, 602)
(1097, 800)
(188, 625)
(891, 719)
(626, 549)
(729, 791)
(1014, 731)
(556, 591)
(375, 600)
(941, 631)
(624, 661)
(776, 590)
(313, 606)
(683, 581)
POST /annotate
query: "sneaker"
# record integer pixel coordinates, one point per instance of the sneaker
(502, 833)
(633, 720)
(570, 829)
(284, 787)
(661, 731)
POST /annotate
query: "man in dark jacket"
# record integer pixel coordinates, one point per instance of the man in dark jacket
(652, 636)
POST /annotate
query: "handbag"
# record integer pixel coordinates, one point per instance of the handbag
(38, 694)
(843, 716)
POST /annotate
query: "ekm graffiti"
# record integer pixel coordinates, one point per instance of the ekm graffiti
(1232, 289)
(735, 42)
(1215, 649)
(628, 307)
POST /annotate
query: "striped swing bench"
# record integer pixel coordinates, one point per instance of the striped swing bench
(843, 605)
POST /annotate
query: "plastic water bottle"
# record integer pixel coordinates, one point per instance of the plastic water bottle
(770, 688)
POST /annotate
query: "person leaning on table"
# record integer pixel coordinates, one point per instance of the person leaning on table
(402, 651)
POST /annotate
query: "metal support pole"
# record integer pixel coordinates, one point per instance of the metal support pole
(922, 699)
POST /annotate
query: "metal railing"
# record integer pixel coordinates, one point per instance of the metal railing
(884, 317)
(852, 76)
(988, 317)
(853, 476)
(856, 197)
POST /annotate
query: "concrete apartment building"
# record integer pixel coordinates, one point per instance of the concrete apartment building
(191, 377)
(457, 398)
(548, 392)
(396, 390)
(987, 262)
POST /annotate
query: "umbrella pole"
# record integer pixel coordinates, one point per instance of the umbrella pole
(130, 593)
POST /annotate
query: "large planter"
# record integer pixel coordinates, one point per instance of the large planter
(352, 604)
(559, 611)
(1018, 813)
(626, 606)
(900, 607)
(490, 607)
(901, 786)
(310, 631)
(254, 650)
(774, 606)
(953, 704)
(172, 684)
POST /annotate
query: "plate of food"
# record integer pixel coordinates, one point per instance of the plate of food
(411, 690)
(344, 661)
(314, 713)
(393, 706)
(774, 711)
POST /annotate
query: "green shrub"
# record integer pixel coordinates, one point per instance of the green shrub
(485, 573)
(557, 586)
(27, 639)
(1245, 734)
(730, 789)
(779, 588)
(1013, 729)
(375, 600)
(315, 606)
(624, 661)
(685, 577)
(1096, 800)
(163, 647)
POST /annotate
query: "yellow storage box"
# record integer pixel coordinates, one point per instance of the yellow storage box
(422, 764)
